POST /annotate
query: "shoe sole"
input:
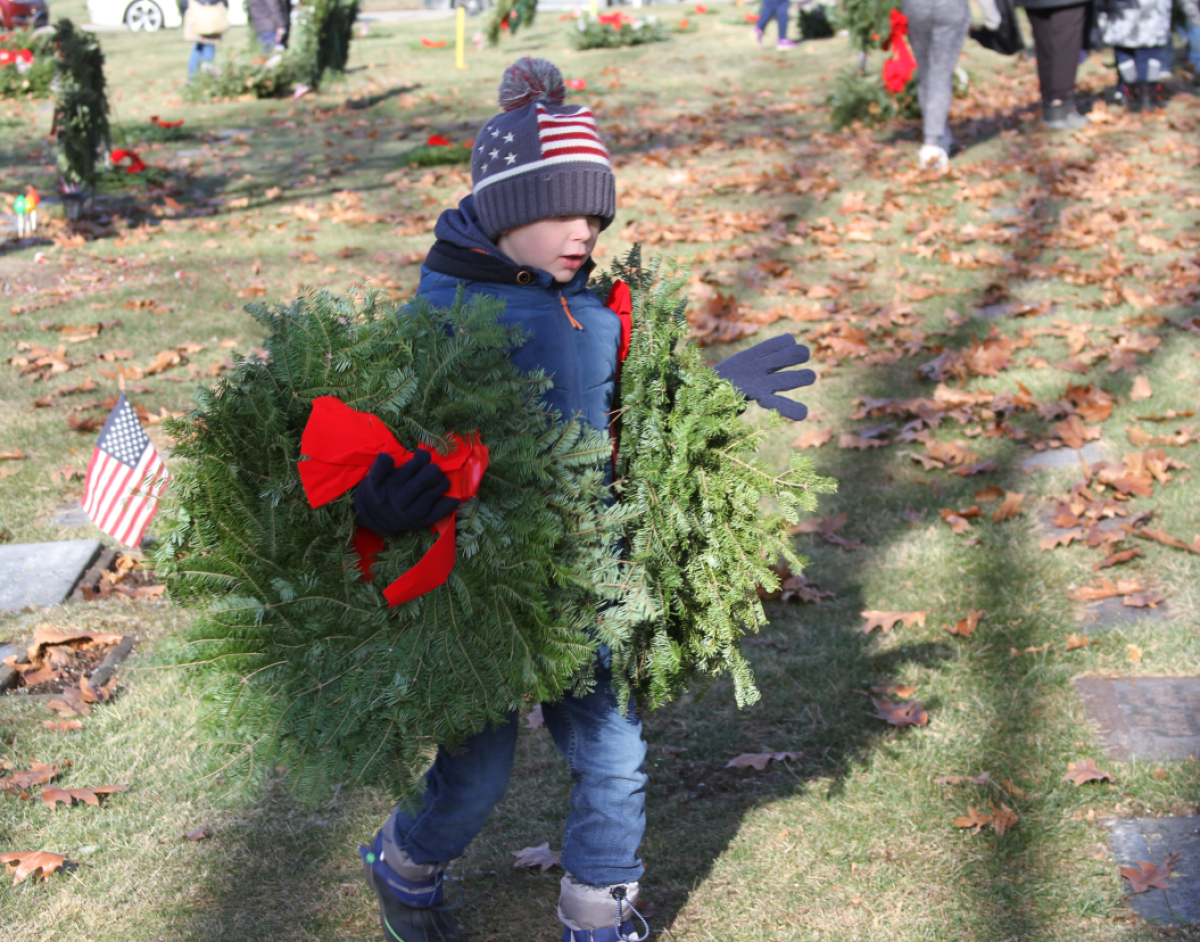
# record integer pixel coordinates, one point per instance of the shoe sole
(390, 934)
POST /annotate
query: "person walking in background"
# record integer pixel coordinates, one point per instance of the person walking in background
(776, 10)
(1138, 31)
(270, 20)
(204, 23)
(1191, 11)
(937, 29)
(1058, 41)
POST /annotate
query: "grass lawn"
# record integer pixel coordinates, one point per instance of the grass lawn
(1042, 262)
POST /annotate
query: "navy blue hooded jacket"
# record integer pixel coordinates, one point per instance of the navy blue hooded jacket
(572, 335)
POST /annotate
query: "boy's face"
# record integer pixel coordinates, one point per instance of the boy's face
(559, 246)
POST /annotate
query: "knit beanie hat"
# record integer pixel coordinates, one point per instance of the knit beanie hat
(539, 158)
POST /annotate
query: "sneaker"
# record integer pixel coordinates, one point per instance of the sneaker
(933, 157)
(758, 34)
(424, 921)
(786, 44)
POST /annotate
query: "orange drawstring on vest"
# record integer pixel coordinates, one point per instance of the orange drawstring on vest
(570, 316)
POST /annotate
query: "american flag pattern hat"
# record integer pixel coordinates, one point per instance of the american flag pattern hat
(539, 158)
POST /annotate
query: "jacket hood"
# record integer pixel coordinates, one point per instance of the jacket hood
(463, 251)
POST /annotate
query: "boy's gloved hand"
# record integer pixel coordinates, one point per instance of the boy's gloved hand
(391, 500)
(756, 373)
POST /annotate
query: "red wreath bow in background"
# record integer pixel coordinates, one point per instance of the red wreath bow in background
(898, 69)
(341, 444)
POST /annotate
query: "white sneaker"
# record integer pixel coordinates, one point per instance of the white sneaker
(933, 157)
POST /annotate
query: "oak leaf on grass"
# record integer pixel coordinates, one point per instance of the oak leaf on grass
(980, 779)
(886, 621)
(813, 438)
(37, 774)
(1147, 874)
(967, 626)
(1077, 641)
(1009, 507)
(1085, 771)
(52, 794)
(905, 713)
(22, 863)
(540, 856)
(1062, 539)
(1134, 653)
(1116, 559)
(760, 760)
(62, 726)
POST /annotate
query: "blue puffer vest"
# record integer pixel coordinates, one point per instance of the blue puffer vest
(572, 336)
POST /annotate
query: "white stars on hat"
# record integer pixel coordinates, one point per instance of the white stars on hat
(508, 138)
(510, 158)
(495, 132)
(494, 154)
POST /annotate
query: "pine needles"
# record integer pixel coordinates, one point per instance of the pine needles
(698, 542)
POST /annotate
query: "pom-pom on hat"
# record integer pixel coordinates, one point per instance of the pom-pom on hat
(539, 158)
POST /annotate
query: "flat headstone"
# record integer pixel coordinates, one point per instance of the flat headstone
(1111, 613)
(1054, 458)
(42, 574)
(71, 515)
(1154, 840)
(1144, 717)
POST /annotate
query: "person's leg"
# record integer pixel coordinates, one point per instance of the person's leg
(1058, 40)
(606, 756)
(946, 42)
(266, 39)
(781, 19)
(461, 789)
(195, 58)
(1193, 38)
(920, 35)
(769, 11)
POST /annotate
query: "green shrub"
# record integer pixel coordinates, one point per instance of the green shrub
(525, 11)
(427, 155)
(35, 81)
(81, 104)
(590, 33)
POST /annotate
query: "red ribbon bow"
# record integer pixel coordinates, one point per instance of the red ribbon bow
(341, 445)
(900, 66)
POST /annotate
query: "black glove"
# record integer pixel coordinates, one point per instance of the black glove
(391, 500)
(756, 373)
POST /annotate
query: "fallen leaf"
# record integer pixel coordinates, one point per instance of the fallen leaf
(967, 626)
(759, 760)
(813, 438)
(1003, 818)
(885, 621)
(902, 714)
(1062, 539)
(1085, 771)
(1134, 653)
(980, 779)
(1077, 641)
(26, 862)
(63, 726)
(1162, 536)
(52, 794)
(1141, 389)
(37, 774)
(903, 691)
(540, 856)
(1116, 559)
(1145, 876)
(1009, 507)
(973, 819)
(197, 835)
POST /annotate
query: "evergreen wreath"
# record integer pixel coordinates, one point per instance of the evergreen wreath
(517, 14)
(698, 540)
(302, 662)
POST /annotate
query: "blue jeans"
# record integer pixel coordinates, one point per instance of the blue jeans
(1140, 65)
(774, 10)
(201, 52)
(606, 756)
(268, 41)
(1192, 32)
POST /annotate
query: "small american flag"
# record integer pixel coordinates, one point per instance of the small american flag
(125, 477)
(565, 135)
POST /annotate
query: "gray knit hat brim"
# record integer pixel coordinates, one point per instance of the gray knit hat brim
(572, 190)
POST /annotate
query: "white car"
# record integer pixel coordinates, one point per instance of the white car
(150, 15)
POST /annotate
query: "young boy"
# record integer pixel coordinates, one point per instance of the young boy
(543, 193)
